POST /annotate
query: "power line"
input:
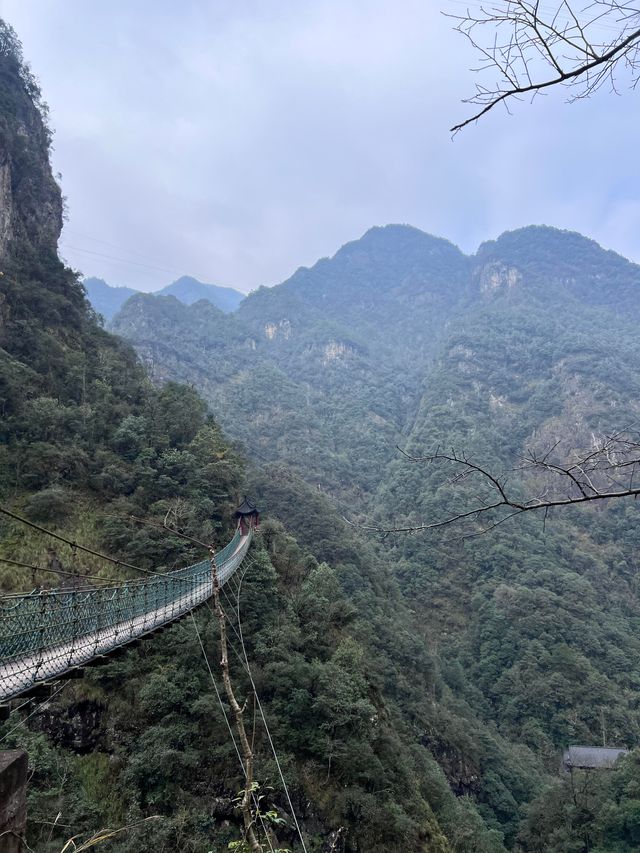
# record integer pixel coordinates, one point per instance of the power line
(121, 260)
(106, 256)
(123, 249)
(106, 243)
(181, 272)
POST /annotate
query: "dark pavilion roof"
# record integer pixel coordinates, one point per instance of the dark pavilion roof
(592, 757)
(247, 507)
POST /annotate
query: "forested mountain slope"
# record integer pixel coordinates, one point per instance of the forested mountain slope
(327, 371)
(322, 371)
(372, 738)
(400, 339)
(549, 612)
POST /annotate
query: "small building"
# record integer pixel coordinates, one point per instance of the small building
(591, 757)
(248, 516)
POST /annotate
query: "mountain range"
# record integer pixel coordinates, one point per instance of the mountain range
(349, 348)
(420, 689)
(402, 341)
(107, 299)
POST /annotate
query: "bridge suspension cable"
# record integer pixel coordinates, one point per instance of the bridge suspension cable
(76, 546)
(50, 571)
(73, 544)
(240, 636)
(45, 633)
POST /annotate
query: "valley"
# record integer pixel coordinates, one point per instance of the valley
(420, 688)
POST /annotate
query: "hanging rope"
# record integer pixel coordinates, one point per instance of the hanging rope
(245, 664)
(264, 719)
(229, 727)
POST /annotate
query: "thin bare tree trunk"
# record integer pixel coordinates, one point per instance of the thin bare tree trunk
(237, 711)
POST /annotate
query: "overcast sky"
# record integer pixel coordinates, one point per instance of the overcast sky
(236, 141)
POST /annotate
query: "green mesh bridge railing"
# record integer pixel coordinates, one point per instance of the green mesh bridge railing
(45, 633)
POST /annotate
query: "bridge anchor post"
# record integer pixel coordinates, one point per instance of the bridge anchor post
(13, 800)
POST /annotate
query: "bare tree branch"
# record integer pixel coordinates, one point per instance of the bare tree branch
(605, 471)
(534, 48)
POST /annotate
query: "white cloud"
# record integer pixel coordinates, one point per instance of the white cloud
(236, 141)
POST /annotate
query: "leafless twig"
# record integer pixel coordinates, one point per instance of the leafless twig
(605, 471)
(534, 47)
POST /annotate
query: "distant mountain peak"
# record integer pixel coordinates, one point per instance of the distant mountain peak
(106, 299)
(541, 237)
(397, 236)
(189, 290)
(393, 228)
(551, 263)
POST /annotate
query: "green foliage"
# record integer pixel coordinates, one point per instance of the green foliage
(419, 691)
(49, 505)
(587, 810)
(532, 632)
(264, 819)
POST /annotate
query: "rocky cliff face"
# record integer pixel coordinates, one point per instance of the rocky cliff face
(30, 199)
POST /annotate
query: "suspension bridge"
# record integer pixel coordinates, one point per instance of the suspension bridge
(49, 634)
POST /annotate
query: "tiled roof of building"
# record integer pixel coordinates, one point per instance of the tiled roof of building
(592, 757)
(247, 507)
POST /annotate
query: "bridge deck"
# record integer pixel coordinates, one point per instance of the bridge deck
(127, 613)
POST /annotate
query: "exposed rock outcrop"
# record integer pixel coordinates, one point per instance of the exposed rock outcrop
(30, 199)
(77, 727)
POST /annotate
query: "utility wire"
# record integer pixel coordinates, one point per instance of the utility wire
(173, 270)
(120, 260)
(75, 233)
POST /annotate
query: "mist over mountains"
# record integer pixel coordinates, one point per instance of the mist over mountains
(349, 348)
(420, 690)
(400, 340)
(107, 299)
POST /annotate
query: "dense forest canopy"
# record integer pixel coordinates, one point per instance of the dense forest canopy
(419, 691)
(402, 340)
